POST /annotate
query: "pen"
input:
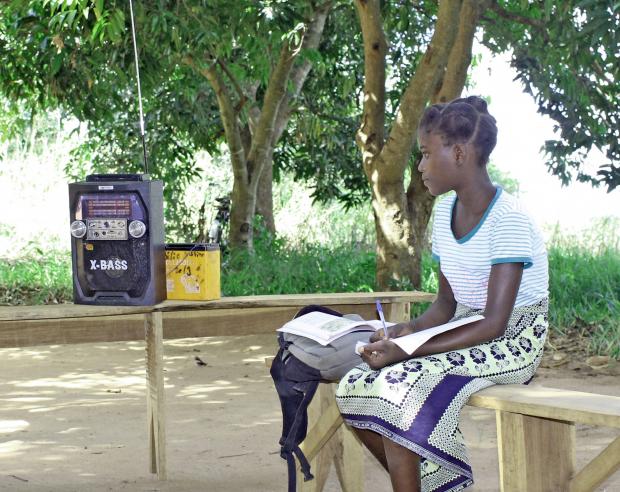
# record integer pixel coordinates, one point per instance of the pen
(382, 318)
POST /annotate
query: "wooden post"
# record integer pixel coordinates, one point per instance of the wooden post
(155, 405)
(397, 312)
(340, 447)
(535, 454)
(349, 461)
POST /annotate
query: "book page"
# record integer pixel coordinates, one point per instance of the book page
(324, 328)
(410, 343)
(319, 321)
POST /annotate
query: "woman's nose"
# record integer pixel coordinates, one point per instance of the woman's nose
(421, 164)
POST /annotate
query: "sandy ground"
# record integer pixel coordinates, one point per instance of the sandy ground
(73, 418)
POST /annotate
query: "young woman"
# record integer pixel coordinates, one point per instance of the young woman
(492, 258)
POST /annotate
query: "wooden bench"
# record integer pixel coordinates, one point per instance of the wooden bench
(22, 326)
(535, 436)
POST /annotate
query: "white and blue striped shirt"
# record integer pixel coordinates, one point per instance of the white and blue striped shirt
(505, 234)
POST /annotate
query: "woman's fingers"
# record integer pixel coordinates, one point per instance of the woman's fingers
(377, 335)
(382, 353)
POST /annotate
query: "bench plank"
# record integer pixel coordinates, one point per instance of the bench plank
(177, 324)
(551, 403)
(63, 311)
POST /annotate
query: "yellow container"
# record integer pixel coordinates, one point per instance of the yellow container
(193, 271)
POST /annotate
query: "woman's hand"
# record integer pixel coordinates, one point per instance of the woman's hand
(395, 331)
(382, 353)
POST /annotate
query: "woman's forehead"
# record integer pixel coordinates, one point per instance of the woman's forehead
(429, 139)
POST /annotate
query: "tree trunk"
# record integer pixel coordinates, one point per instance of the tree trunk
(401, 217)
(254, 166)
(419, 200)
(264, 195)
(241, 214)
(395, 268)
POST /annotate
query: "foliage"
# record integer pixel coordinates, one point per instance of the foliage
(79, 56)
(277, 268)
(319, 144)
(504, 179)
(566, 56)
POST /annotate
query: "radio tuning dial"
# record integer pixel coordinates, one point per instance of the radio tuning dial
(78, 229)
(137, 228)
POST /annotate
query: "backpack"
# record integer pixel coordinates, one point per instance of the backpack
(298, 368)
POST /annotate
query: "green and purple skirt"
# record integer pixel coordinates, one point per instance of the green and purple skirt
(417, 403)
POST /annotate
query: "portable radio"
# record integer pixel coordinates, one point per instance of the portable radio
(117, 240)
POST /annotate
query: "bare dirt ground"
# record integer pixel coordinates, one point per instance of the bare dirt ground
(73, 418)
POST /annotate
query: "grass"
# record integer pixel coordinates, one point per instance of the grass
(39, 277)
(584, 281)
(585, 295)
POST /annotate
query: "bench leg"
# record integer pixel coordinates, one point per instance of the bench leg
(349, 461)
(155, 393)
(330, 441)
(599, 469)
(535, 454)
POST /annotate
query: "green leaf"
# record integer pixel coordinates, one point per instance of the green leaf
(98, 8)
(56, 63)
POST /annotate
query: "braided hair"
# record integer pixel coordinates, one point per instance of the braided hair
(461, 121)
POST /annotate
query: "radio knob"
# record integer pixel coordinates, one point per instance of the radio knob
(78, 229)
(137, 228)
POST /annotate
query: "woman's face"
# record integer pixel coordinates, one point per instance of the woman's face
(438, 165)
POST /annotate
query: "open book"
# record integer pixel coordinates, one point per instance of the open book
(324, 328)
(410, 343)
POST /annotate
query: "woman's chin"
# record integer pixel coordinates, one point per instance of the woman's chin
(431, 189)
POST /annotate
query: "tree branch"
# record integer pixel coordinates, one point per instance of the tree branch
(454, 77)
(398, 147)
(521, 19)
(235, 83)
(271, 103)
(513, 16)
(267, 125)
(370, 136)
(229, 121)
(301, 71)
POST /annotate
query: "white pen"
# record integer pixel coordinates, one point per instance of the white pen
(382, 318)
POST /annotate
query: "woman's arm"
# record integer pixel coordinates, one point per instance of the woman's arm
(502, 290)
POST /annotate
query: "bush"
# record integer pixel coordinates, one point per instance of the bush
(584, 281)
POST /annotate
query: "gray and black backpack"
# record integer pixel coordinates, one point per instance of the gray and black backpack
(299, 366)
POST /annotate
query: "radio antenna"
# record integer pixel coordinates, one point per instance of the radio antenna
(135, 52)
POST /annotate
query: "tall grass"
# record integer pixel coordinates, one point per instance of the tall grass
(584, 285)
(38, 277)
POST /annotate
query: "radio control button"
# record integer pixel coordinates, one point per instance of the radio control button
(137, 228)
(78, 229)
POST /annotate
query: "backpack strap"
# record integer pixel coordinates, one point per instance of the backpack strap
(295, 395)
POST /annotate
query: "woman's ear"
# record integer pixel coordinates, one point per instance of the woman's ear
(459, 154)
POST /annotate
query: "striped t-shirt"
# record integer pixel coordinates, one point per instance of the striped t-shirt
(505, 234)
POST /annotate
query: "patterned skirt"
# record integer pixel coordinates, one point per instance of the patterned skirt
(417, 403)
